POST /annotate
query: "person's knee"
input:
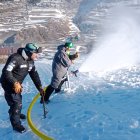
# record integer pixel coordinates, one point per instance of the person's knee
(17, 108)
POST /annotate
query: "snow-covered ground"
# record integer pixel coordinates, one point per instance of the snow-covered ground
(96, 108)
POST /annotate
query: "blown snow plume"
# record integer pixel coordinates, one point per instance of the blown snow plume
(119, 44)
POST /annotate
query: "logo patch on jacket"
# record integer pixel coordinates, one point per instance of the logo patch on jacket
(23, 66)
(10, 66)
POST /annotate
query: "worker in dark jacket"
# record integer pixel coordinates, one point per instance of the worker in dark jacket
(15, 70)
(61, 62)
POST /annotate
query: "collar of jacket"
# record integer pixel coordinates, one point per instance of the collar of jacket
(24, 55)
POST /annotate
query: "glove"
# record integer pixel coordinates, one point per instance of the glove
(42, 92)
(74, 56)
(17, 87)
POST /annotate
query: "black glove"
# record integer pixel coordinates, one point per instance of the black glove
(42, 92)
(75, 72)
(74, 56)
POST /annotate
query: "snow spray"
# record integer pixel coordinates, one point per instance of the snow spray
(119, 44)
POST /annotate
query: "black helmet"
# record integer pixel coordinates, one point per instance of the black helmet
(32, 48)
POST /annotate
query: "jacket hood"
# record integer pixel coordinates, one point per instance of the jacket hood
(19, 51)
(61, 47)
(22, 52)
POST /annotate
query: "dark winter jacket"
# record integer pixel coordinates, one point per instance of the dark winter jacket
(16, 69)
(60, 65)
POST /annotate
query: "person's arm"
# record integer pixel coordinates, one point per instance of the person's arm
(11, 64)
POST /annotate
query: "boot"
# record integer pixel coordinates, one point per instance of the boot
(19, 128)
(22, 116)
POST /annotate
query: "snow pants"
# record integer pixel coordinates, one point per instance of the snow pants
(50, 89)
(15, 102)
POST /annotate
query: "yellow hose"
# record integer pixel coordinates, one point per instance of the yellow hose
(30, 123)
